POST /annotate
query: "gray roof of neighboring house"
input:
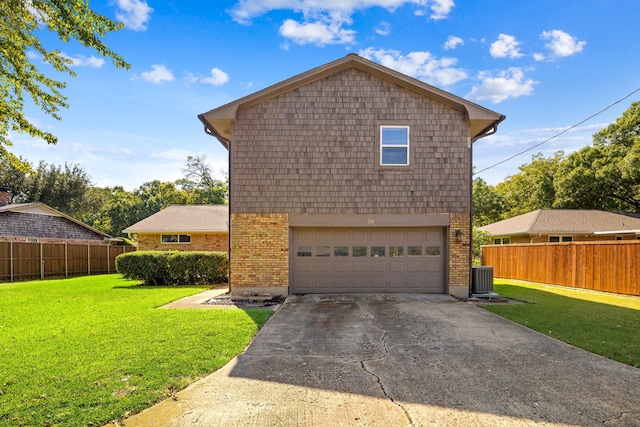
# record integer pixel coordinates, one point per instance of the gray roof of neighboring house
(37, 208)
(184, 219)
(564, 221)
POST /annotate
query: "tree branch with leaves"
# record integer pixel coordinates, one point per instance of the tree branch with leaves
(20, 22)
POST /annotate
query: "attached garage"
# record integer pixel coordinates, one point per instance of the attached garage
(361, 260)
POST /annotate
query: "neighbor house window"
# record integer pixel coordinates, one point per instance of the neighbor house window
(176, 238)
(394, 145)
(555, 239)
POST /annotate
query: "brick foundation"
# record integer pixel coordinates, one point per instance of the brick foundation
(259, 253)
(459, 255)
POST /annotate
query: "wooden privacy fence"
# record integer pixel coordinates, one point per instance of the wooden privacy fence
(31, 261)
(612, 266)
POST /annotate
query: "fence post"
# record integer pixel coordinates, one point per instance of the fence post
(41, 261)
(66, 260)
(88, 259)
(108, 260)
(11, 259)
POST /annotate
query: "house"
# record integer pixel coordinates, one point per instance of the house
(350, 177)
(184, 228)
(566, 225)
(37, 222)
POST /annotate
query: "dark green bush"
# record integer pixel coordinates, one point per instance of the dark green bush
(173, 268)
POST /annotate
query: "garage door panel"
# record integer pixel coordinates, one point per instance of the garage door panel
(341, 266)
(304, 266)
(378, 266)
(378, 283)
(325, 260)
(342, 283)
(397, 282)
(360, 283)
(397, 267)
(324, 266)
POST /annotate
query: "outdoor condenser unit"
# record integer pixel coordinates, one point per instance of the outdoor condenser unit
(482, 280)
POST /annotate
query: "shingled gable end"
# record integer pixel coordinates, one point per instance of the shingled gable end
(348, 178)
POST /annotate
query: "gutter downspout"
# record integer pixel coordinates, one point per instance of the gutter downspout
(210, 130)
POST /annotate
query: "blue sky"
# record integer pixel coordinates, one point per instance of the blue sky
(545, 64)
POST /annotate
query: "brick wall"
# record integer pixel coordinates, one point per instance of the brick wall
(459, 255)
(199, 242)
(259, 251)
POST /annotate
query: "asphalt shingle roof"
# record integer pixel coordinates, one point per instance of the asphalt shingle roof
(183, 219)
(563, 221)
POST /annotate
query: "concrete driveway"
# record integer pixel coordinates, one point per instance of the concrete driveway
(403, 360)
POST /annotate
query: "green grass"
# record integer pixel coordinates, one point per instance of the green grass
(605, 324)
(89, 350)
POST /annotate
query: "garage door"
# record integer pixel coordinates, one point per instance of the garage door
(339, 260)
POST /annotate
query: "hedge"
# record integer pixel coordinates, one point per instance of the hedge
(162, 268)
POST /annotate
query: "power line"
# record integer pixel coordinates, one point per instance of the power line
(558, 134)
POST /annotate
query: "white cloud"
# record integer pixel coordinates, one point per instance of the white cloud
(135, 14)
(83, 61)
(323, 22)
(158, 74)
(507, 84)
(217, 78)
(562, 44)
(421, 65)
(319, 33)
(453, 42)
(539, 57)
(505, 47)
(383, 28)
(441, 9)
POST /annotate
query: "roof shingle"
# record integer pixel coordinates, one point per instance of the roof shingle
(184, 219)
(563, 221)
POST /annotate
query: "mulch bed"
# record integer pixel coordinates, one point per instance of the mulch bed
(244, 302)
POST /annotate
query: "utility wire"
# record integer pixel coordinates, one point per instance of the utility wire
(558, 134)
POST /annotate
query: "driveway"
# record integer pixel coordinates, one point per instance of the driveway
(403, 360)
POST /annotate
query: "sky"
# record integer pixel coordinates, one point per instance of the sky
(547, 65)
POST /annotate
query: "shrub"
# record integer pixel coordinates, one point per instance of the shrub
(161, 268)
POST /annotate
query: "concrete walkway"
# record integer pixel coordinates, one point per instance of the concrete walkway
(403, 360)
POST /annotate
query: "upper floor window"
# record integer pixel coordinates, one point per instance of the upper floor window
(394, 145)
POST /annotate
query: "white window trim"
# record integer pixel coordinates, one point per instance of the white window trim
(382, 145)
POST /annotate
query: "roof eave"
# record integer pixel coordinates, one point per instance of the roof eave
(219, 121)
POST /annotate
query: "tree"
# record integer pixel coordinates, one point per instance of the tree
(20, 22)
(200, 184)
(62, 189)
(605, 175)
(488, 205)
(533, 187)
(117, 213)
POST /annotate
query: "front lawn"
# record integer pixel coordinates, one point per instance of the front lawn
(86, 351)
(605, 324)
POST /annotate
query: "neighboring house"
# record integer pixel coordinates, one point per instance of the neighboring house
(543, 226)
(184, 228)
(350, 177)
(37, 222)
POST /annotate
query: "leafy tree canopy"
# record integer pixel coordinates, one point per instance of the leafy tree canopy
(605, 175)
(532, 188)
(20, 22)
